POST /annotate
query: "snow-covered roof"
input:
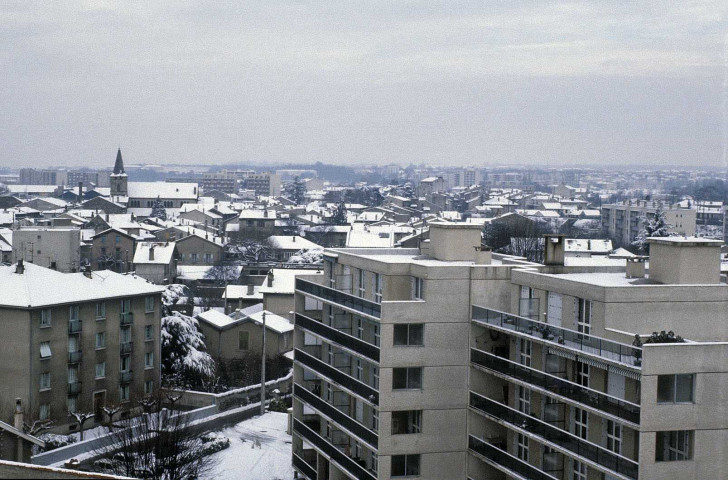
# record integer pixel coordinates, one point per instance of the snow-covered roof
(254, 213)
(191, 207)
(215, 318)
(272, 321)
(164, 190)
(242, 291)
(31, 188)
(284, 280)
(588, 245)
(163, 252)
(200, 272)
(288, 242)
(39, 286)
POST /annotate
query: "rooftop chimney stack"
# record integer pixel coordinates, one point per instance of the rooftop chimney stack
(554, 247)
(636, 267)
(20, 268)
(251, 289)
(270, 279)
(80, 192)
(151, 252)
(19, 418)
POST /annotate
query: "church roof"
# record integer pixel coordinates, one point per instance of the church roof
(119, 164)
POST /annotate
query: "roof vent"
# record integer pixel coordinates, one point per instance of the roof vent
(20, 268)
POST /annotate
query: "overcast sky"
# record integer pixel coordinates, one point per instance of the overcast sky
(474, 83)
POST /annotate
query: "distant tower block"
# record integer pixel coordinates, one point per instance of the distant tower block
(118, 179)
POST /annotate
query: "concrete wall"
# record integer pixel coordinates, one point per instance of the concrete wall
(44, 246)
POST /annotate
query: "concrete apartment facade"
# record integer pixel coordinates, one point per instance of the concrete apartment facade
(381, 356)
(58, 248)
(78, 341)
(623, 221)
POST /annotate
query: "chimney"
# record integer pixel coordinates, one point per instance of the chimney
(294, 239)
(151, 252)
(554, 250)
(265, 213)
(19, 418)
(20, 268)
(251, 289)
(636, 267)
(80, 191)
(87, 271)
(270, 279)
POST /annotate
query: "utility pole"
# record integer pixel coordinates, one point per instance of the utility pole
(262, 372)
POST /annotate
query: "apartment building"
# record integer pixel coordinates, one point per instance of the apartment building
(623, 221)
(561, 389)
(58, 248)
(77, 341)
(381, 356)
(265, 184)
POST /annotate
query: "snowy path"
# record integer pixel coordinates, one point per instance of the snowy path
(272, 461)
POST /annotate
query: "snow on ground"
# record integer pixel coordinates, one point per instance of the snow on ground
(270, 461)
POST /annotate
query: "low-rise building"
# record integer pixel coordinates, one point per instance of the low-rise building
(156, 261)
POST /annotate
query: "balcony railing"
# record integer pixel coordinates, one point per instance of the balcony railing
(126, 348)
(74, 388)
(595, 453)
(506, 460)
(343, 299)
(126, 377)
(346, 422)
(350, 342)
(74, 357)
(343, 460)
(74, 326)
(592, 398)
(304, 467)
(127, 318)
(560, 337)
(335, 375)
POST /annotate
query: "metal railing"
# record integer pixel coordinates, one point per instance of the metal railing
(126, 348)
(587, 396)
(343, 460)
(127, 318)
(346, 422)
(561, 337)
(304, 467)
(506, 460)
(74, 357)
(74, 388)
(578, 446)
(74, 326)
(331, 295)
(350, 342)
(335, 375)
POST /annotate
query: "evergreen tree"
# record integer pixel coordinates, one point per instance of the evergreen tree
(296, 191)
(652, 226)
(340, 217)
(158, 210)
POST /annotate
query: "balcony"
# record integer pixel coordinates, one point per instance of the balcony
(74, 388)
(304, 467)
(506, 462)
(561, 338)
(346, 422)
(126, 348)
(127, 318)
(74, 326)
(74, 357)
(336, 455)
(598, 400)
(126, 377)
(577, 446)
(341, 299)
(335, 375)
(343, 340)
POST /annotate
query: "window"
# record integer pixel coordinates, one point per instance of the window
(407, 421)
(149, 360)
(125, 363)
(100, 310)
(73, 312)
(404, 465)
(676, 388)
(100, 340)
(522, 447)
(614, 437)
(148, 333)
(581, 423)
(377, 288)
(375, 419)
(208, 258)
(71, 403)
(524, 400)
(583, 318)
(45, 411)
(125, 335)
(582, 374)
(73, 344)
(243, 340)
(149, 304)
(193, 257)
(124, 393)
(362, 288)
(45, 317)
(674, 446)
(406, 378)
(418, 288)
(148, 387)
(126, 305)
(118, 239)
(103, 239)
(45, 349)
(375, 377)
(45, 381)
(579, 471)
(524, 352)
(101, 370)
(408, 334)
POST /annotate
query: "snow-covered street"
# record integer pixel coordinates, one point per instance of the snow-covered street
(260, 449)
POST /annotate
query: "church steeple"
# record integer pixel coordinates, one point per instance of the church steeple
(119, 165)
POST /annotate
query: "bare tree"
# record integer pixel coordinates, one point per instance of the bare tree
(81, 418)
(111, 411)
